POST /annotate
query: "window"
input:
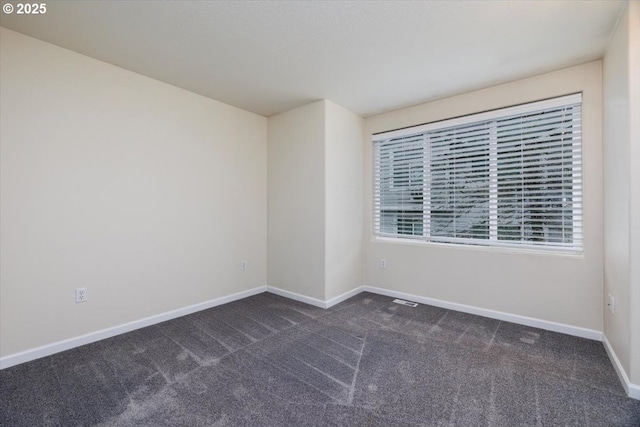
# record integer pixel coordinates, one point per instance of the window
(509, 177)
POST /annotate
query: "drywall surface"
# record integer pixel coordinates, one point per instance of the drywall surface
(296, 212)
(146, 194)
(558, 288)
(634, 187)
(616, 191)
(343, 200)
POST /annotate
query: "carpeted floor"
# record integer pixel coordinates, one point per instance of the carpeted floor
(270, 361)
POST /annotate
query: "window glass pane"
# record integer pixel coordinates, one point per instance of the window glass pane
(511, 177)
(535, 178)
(459, 196)
(401, 171)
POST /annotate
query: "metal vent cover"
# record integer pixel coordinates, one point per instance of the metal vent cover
(407, 303)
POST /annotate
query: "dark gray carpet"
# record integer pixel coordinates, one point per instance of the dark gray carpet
(270, 361)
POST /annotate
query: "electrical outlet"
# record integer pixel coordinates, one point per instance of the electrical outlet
(243, 265)
(81, 295)
(383, 263)
(611, 303)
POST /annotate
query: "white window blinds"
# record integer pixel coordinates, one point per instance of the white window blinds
(509, 177)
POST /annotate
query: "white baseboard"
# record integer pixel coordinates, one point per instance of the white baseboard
(315, 301)
(633, 390)
(56, 347)
(49, 349)
(514, 318)
(297, 297)
(337, 300)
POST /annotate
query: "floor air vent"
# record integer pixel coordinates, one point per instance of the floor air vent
(407, 303)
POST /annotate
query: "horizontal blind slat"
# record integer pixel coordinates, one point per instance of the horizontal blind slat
(519, 175)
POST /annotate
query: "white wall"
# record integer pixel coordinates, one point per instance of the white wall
(555, 288)
(622, 191)
(296, 207)
(616, 190)
(343, 200)
(315, 201)
(634, 202)
(147, 194)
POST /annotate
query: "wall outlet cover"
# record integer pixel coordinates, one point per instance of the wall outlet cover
(81, 295)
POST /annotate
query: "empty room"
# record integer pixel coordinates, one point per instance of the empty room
(320, 213)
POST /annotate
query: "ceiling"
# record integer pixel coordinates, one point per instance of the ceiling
(370, 57)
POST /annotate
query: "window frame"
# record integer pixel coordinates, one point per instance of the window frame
(576, 246)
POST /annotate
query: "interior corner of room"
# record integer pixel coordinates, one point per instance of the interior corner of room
(162, 202)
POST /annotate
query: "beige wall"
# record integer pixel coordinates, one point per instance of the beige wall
(634, 202)
(343, 199)
(296, 211)
(616, 191)
(315, 200)
(557, 288)
(146, 194)
(622, 190)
